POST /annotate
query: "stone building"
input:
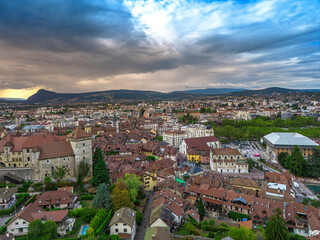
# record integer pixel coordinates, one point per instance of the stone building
(44, 152)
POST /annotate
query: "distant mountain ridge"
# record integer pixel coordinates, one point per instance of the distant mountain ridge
(45, 96)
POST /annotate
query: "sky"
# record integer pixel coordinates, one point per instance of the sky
(164, 45)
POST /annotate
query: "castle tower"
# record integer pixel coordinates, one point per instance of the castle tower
(81, 143)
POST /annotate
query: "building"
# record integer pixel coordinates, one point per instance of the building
(174, 138)
(199, 144)
(197, 130)
(7, 197)
(56, 199)
(278, 142)
(19, 225)
(150, 181)
(227, 161)
(43, 152)
(123, 223)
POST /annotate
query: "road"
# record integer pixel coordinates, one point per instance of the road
(146, 219)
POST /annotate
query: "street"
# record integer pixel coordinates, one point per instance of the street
(141, 231)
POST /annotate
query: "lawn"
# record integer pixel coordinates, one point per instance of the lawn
(86, 203)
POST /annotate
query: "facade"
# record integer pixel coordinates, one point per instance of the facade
(197, 130)
(44, 152)
(227, 161)
(174, 138)
(150, 181)
(123, 223)
(279, 142)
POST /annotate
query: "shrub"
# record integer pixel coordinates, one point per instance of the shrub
(8, 220)
(31, 200)
(25, 186)
(3, 229)
(86, 197)
(105, 223)
(237, 216)
(98, 219)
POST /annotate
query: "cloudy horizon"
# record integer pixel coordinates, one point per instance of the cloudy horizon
(167, 45)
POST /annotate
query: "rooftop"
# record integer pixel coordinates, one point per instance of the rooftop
(290, 139)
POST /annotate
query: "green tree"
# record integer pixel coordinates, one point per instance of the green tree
(100, 172)
(59, 173)
(49, 185)
(296, 162)
(276, 227)
(134, 184)
(50, 229)
(160, 138)
(139, 217)
(97, 155)
(39, 231)
(120, 196)
(282, 158)
(241, 233)
(83, 169)
(102, 197)
(98, 219)
(201, 209)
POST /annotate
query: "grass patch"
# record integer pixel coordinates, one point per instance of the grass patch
(86, 203)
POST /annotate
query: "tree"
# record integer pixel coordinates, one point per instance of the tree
(241, 233)
(97, 155)
(80, 182)
(139, 217)
(276, 227)
(296, 162)
(59, 173)
(98, 219)
(201, 209)
(40, 231)
(282, 158)
(134, 184)
(35, 229)
(49, 185)
(50, 229)
(102, 197)
(160, 138)
(83, 169)
(120, 196)
(100, 173)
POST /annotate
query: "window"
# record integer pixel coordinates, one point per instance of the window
(17, 223)
(84, 144)
(28, 150)
(117, 230)
(84, 158)
(48, 161)
(24, 222)
(116, 224)
(124, 224)
(84, 151)
(28, 158)
(125, 230)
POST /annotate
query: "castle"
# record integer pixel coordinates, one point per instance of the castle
(44, 152)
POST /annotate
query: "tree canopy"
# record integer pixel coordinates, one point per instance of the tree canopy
(120, 196)
(134, 183)
(39, 231)
(100, 171)
(276, 227)
(241, 233)
(201, 209)
(102, 197)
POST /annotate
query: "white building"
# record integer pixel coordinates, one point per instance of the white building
(123, 223)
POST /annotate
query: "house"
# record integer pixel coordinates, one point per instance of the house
(123, 223)
(192, 213)
(7, 197)
(199, 144)
(19, 225)
(150, 181)
(56, 199)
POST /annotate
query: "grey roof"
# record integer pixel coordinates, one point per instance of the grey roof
(280, 138)
(6, 193)
(124, 215)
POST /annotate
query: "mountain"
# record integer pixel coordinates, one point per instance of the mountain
(43, 96)
(266, 91)
(210, 91)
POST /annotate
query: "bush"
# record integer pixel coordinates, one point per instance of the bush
(25, 186)
(38, 187)
(31, 200)
(104, 224)
(8, 220)
(86, 197)
(98, 219)
(237, 216)
(87, 214)
(3, 229)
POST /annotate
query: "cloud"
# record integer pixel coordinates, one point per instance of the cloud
(88, 45)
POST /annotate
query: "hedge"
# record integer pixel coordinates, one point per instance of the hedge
(21, 198)
(86, 197)
(103, 225)
(3, 229)
(31, 200)
(8, 220)
(237, 216)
